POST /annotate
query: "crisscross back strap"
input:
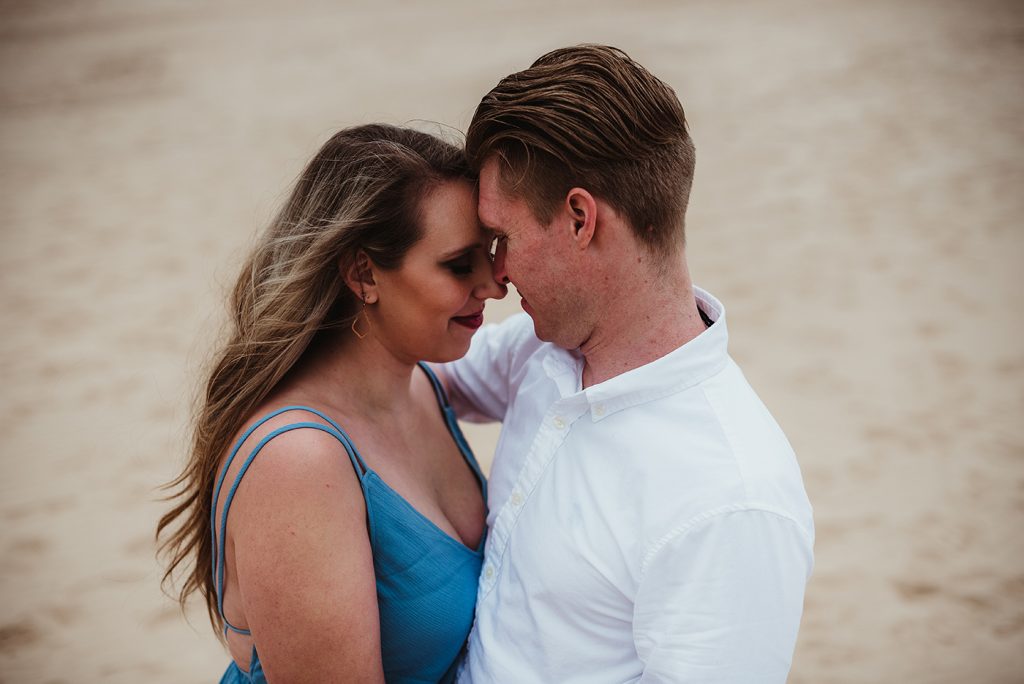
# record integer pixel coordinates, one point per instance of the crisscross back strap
(332, 429)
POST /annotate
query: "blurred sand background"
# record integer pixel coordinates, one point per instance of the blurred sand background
(858, 207)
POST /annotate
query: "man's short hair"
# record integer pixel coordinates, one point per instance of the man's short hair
(589, 116)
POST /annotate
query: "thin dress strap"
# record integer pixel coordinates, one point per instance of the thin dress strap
(442, 398)
(452, 422)
(219, 540)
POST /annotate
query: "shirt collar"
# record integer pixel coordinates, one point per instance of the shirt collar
(680, 369)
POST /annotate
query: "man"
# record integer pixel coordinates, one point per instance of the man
(648, 521)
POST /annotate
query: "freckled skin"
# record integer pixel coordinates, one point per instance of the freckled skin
(536, 259)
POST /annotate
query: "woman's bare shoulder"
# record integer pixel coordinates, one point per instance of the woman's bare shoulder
(285, 458)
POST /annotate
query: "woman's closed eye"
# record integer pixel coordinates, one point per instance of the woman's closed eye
(461, 266)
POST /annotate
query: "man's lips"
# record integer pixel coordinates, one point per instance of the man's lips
(473, 321)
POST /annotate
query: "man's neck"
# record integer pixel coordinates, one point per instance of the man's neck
(643, 321)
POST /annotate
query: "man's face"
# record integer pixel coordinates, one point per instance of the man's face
(535, 258)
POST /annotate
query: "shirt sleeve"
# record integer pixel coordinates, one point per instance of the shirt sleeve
(720, 600)
(480, 384)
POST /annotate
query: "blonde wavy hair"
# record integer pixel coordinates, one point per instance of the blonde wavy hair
(360, 193)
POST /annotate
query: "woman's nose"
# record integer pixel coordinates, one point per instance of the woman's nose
(488, 286)
(491, 288)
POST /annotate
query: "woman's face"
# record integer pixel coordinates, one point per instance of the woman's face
(429, 308)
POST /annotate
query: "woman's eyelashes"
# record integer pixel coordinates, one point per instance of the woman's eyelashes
(461, 265)
(465, 263)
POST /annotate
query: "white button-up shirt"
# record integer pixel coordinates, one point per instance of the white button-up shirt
(653, 527)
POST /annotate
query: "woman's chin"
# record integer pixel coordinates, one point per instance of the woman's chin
(452, 352)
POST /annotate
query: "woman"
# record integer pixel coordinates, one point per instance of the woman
(329, 490)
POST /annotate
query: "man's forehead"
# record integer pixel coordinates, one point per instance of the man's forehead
(490, 193)
(490, 180)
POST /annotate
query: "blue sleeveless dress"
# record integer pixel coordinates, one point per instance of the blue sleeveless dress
(426, 580)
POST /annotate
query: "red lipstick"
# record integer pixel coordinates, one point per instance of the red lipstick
(473, 321)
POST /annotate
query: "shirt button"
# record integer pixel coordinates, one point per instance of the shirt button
(558, 422)
(516, 498)
(599, 410)
(489, 572)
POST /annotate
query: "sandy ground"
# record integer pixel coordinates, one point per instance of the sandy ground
(858, 207)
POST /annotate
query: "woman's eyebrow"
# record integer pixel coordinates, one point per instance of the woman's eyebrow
(461, 251)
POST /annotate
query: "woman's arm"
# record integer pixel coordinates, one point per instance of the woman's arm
(304, 564)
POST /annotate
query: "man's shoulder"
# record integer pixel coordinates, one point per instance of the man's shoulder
(712, 447)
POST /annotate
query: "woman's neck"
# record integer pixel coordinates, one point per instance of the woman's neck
(354, 377)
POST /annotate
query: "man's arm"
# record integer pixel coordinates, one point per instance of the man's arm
(479, 384)
(720, 599)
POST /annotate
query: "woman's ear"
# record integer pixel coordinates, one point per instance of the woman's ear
(359, 278)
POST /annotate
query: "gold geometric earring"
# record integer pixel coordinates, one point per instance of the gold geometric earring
(362, 296)
(357, 333)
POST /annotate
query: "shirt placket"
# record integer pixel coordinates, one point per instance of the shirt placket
(552, 433)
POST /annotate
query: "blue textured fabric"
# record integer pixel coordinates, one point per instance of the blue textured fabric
(426, 580)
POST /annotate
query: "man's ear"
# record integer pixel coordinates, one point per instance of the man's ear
(358, 276)
(582, 213)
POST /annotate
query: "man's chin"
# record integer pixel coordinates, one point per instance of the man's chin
(543, 332)
(538, 327)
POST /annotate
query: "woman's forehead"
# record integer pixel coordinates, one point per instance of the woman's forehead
(449, 216)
